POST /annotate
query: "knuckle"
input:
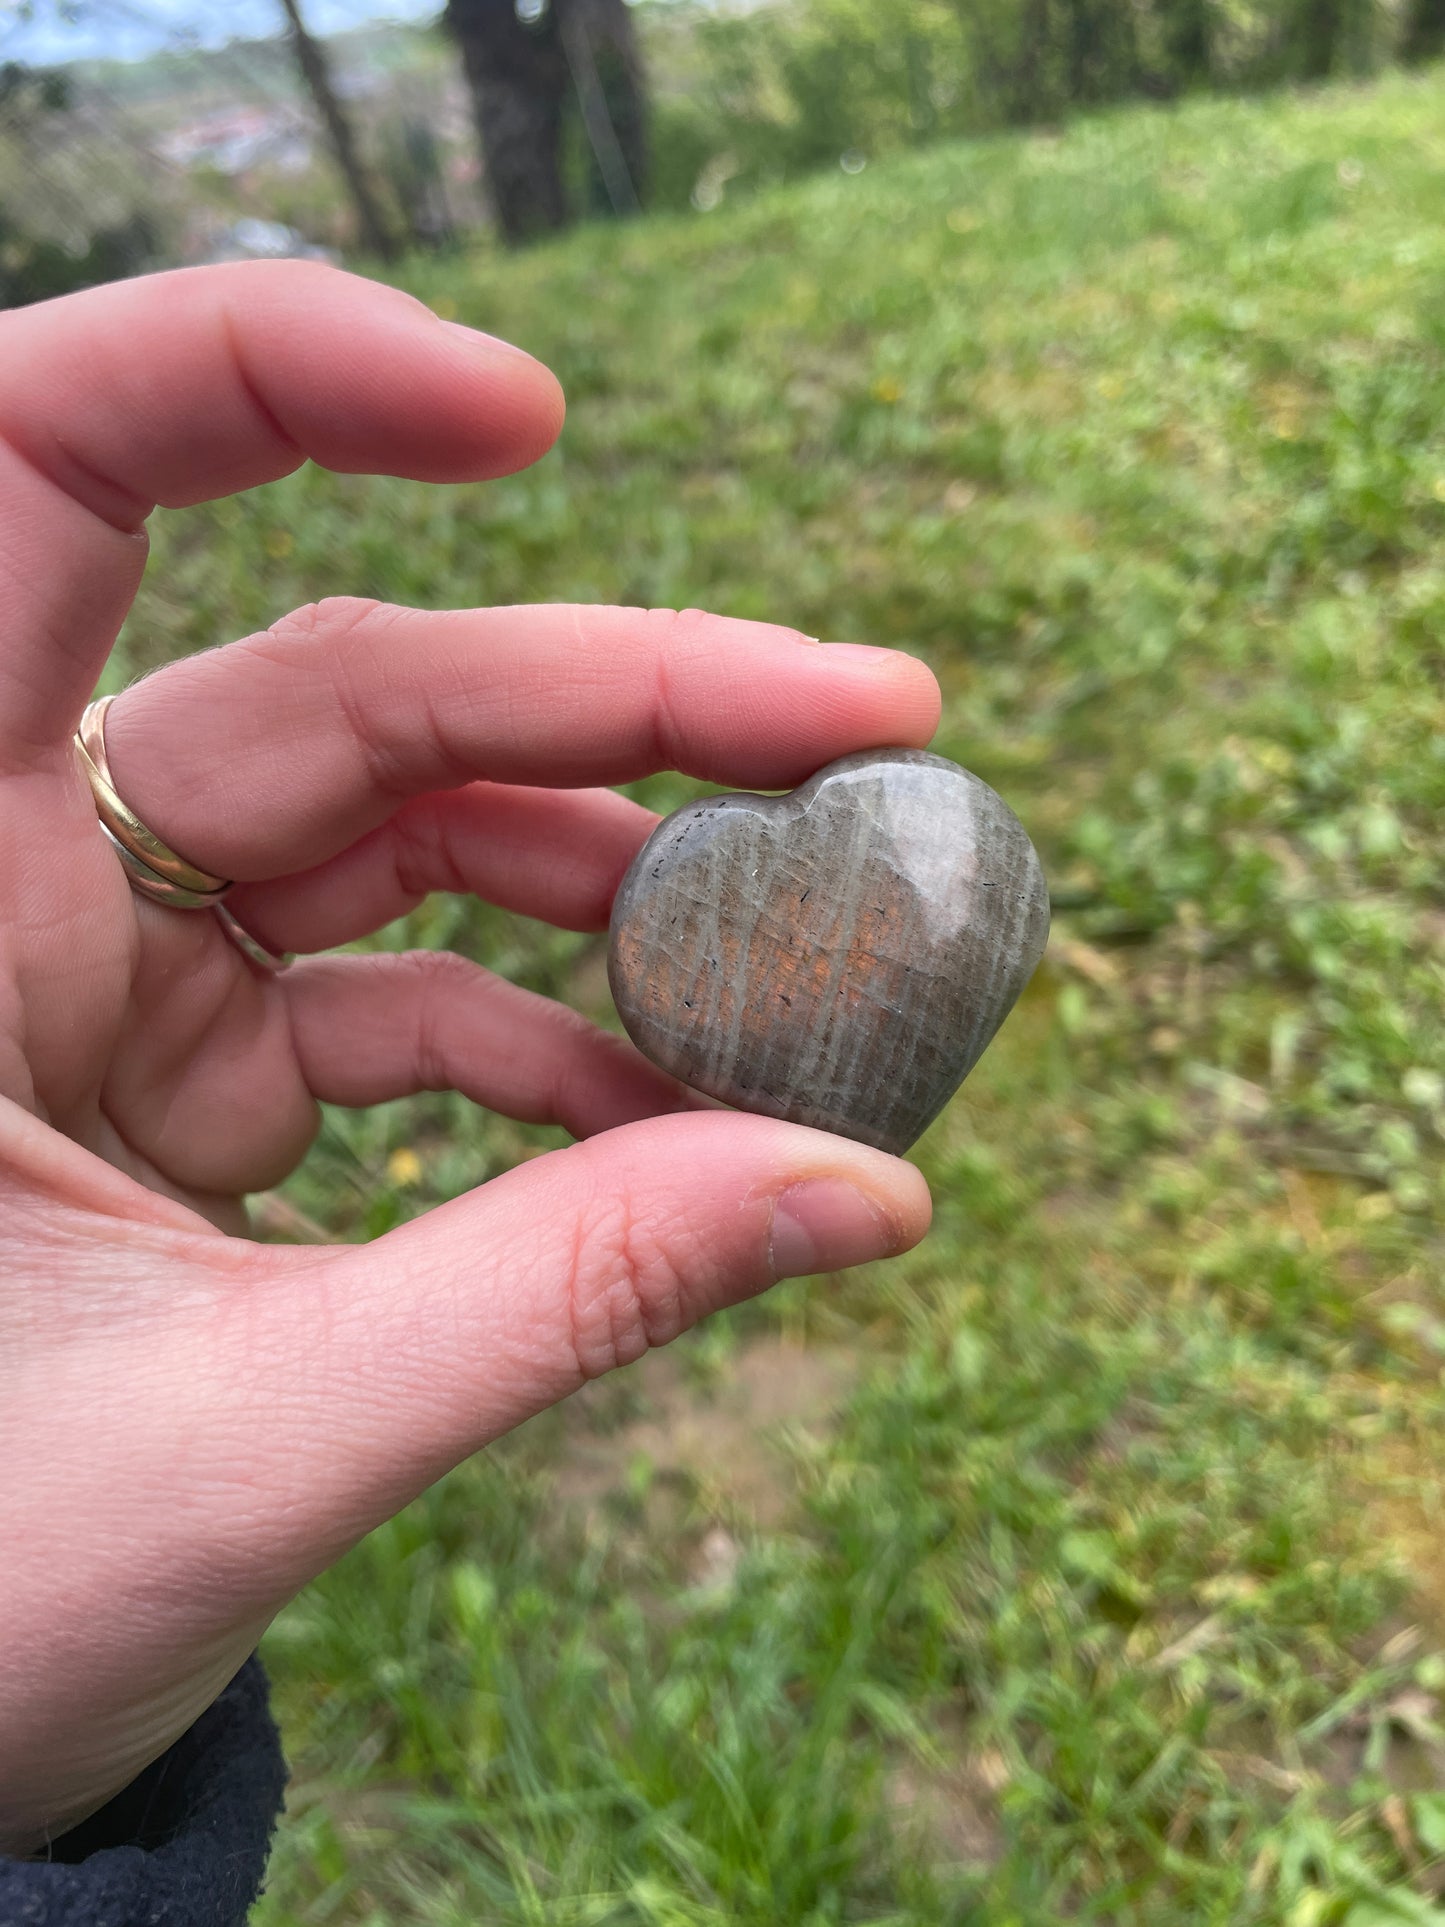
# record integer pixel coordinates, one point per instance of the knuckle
(436, 972)
(421, 854)
(301, 275)
(444, 973)
(307, 281)
(580, 1056)
(625, 1288)
(576, 1033)
(673, 638)
(354, 635)
(674, 628)
(329, 620)
(434, 982)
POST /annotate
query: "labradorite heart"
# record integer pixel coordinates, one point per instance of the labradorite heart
(840, 956)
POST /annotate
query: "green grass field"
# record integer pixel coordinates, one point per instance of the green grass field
(1087, 1564)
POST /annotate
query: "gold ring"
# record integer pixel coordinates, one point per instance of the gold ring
(153, 869)
(192, 889)
(270, 961)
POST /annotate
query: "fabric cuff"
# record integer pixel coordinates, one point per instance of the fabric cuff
(184, 1845)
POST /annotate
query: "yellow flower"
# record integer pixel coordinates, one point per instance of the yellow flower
(403, 1167)
(886, 389)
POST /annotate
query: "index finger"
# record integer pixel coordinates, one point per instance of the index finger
(273, 754)
(176, 388)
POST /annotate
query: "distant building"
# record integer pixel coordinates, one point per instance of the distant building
(234, 139)
(252, 240)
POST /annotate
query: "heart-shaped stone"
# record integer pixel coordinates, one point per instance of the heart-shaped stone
(840, 956)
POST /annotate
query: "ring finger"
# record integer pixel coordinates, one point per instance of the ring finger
(554, 854)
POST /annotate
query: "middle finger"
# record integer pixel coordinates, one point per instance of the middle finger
(273, 754)
(554, 854)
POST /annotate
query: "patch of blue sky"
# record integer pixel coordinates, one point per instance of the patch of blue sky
(44, 33)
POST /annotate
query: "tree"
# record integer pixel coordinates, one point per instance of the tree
(1315, 33)
(1324, 38)
(607, 74)
(526, 61)
(517, 72)
(53, 239)
(372, 225)
(1188, 41)
(1424, 37)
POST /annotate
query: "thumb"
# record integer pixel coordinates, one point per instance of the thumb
(195, 1426)
(425, 1345)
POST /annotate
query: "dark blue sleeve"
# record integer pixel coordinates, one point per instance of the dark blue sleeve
(184, 1846)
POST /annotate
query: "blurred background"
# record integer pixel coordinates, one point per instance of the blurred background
(140, 134)
(1085, 1565)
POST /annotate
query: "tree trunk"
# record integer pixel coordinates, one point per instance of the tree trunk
(1083, 49)
(1425, 31)
(375, 231)
(517, 72)
(1318, 31)
(605, 60)
(1102, 52)
(1190, 43)
(1034, 93)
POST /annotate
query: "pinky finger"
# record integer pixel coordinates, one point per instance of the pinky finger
(368, 1029)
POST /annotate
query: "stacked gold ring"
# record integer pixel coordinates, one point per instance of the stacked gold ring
(153, 868)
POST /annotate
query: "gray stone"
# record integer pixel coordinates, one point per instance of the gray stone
(840, 956)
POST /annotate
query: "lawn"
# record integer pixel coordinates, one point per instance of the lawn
(1087, 1564)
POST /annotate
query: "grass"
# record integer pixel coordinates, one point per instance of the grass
(1085, 1566)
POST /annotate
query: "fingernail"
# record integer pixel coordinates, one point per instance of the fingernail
(825, 1225)
(864, 651)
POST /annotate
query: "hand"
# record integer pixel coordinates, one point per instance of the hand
(192, 1425)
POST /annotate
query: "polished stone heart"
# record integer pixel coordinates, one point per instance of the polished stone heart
(840, 956)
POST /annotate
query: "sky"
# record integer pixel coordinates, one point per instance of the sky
(44, 32)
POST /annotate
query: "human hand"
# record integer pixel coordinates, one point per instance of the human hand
(193, 1425)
